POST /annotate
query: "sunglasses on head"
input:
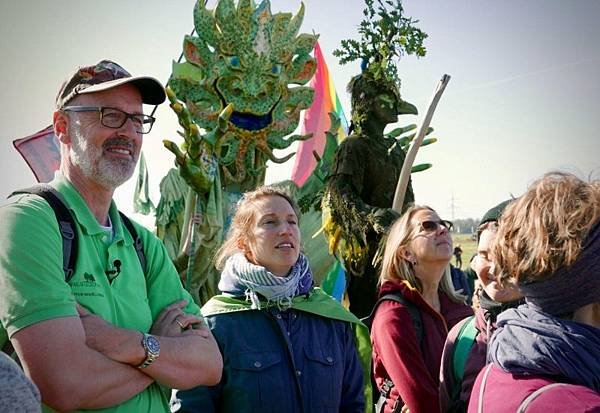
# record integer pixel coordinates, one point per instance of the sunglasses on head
(432, 226)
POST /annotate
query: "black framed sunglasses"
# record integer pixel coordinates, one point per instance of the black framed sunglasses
(432, 226)
(115, 118)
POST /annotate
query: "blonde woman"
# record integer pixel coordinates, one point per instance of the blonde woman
(287, 346)
(408, 337)
(545, 354)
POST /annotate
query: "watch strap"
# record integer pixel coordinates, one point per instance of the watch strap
(151, 355)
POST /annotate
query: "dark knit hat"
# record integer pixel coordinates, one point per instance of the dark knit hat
(493, 215)
(572, 286)
(106, 75)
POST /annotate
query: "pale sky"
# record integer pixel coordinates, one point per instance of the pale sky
(523, 99)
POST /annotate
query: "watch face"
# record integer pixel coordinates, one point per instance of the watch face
(152, 344)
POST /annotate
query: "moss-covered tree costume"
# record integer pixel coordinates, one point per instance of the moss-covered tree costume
(361, 189)
(361, 185)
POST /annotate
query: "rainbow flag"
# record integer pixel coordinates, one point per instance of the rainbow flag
(316, 120)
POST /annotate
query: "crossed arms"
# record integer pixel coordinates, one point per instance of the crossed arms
(85, 362)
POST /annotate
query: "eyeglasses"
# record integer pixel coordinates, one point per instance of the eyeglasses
(432, 226)
(115, 118)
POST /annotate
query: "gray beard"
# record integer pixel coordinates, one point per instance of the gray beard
(107, 172)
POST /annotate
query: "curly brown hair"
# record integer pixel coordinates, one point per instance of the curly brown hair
(545, 228)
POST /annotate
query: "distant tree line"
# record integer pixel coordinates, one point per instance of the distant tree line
(465, 226)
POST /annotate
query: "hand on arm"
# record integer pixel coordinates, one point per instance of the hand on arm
(118, 344)
(172, 320)
(189, 357)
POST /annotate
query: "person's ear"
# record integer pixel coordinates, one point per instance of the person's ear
(407, 255)
(243, 246)
(60, 121)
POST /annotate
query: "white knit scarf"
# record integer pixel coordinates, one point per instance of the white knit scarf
(241, 277)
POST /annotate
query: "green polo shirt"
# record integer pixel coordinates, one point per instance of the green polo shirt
(32, 281)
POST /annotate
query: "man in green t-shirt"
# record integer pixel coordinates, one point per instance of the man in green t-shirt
(107, 337)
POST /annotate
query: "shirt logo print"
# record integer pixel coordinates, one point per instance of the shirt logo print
(89, 277)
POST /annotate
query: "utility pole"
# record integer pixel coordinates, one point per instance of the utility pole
(452, 206)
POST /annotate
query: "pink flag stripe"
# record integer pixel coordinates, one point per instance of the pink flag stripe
(41, 152)
(316, 120)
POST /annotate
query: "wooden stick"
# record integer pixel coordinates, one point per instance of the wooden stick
(414, 147)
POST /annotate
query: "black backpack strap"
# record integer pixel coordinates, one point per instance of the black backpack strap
(417, 322)
(66, 226)
(66, 223)
(415, 314)
(137, 241)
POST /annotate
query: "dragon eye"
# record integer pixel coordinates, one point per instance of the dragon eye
(276, 69)
(234, 61)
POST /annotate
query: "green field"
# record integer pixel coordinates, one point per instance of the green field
(467, 244)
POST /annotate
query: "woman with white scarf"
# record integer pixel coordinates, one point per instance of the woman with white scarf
(286, 345)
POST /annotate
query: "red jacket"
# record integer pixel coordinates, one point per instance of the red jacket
(397, 355)
(504, 392)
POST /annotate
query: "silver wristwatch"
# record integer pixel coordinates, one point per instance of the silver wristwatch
(152, 348)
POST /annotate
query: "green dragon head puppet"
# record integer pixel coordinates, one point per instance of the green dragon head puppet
(255, 60)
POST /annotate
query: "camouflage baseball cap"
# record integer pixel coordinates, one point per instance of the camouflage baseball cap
(106, 75)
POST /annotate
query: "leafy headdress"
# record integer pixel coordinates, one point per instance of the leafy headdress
(386, 36)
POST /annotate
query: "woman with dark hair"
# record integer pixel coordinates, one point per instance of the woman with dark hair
(287, 346)
(466, 345)
(408, 336)
(545, 354)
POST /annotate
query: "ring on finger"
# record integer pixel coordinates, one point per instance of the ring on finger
(180, 324)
